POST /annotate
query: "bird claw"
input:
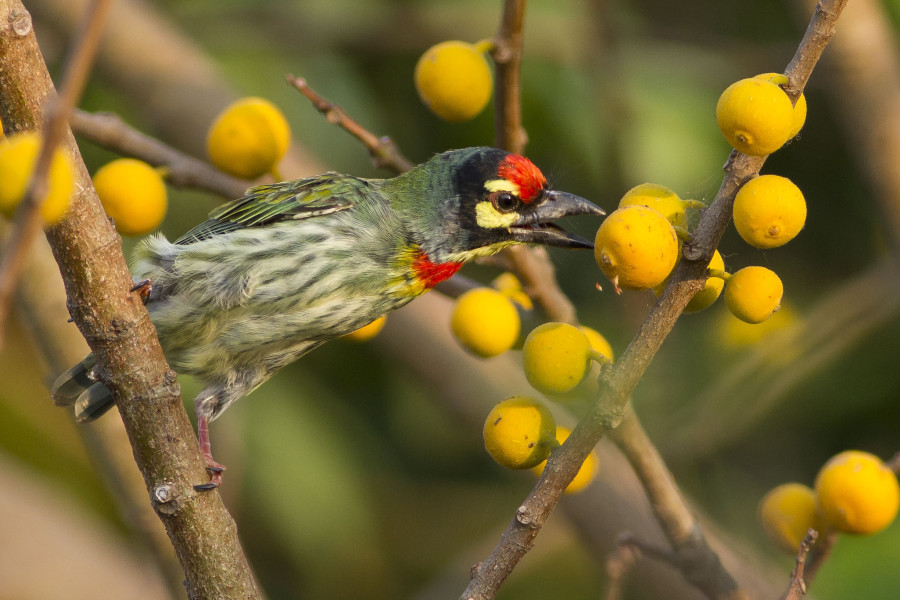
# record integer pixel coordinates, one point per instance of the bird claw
(215, 477)
(144, 288)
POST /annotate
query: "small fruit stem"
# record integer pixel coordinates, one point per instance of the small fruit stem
(725, 275)
(694, 204)
(484, 46)
(683, 234)
(598, 357)
(276, 173)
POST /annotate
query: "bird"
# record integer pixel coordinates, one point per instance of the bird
(291, 265)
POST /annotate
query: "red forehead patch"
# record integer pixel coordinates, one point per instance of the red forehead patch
(524, 174)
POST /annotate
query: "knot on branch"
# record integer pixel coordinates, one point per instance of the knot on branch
(20, 22)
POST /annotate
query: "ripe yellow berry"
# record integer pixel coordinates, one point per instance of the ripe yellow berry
(753, 294)
(636, 247)
(787, 512)
(248, 138)
(367, 332)
(133, 195)
(755, 116)
(769, 211)
(586, 473)
(556, 357)
(485, 322)
(659, 198)
(799, 107)
(509, 285)
(454, 80)
(519, 432)
(857, 493)
(18, 155)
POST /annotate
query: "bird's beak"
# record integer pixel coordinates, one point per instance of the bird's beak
(536, 226)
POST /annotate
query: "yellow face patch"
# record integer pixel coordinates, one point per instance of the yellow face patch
(502, 185)
(490, 218)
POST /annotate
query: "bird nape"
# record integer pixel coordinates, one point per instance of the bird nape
(291, 265)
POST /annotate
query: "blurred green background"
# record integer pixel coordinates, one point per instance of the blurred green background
(358, 472)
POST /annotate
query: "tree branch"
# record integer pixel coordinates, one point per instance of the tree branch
(619, 381)
(111, 132)
(384, 152)
(118, 330)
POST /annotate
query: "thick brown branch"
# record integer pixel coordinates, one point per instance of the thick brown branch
(119, 331)
(618, 386)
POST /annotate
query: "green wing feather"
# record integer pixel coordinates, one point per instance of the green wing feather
(267, 204)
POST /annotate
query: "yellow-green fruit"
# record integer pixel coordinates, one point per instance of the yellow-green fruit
(769, 211)
(248, 138)
(586, 474)
(18, 156)
(133, 194)
(659, 198)
(636, 247)
(753, 294)
(556, 357)
(485, 322)
(509, 285)
(755, 116)
(454, 80)
(787, 513)
(519, 433)
(367, 332)
(799, 106)
(857, 493)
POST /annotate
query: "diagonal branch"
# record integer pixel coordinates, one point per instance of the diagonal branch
(118, 330)
(620, 380)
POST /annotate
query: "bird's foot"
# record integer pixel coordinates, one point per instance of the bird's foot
(215, 476)
(143, 288)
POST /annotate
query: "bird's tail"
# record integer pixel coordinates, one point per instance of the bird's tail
(80, 388)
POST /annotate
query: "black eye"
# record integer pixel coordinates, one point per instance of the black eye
(505, 202)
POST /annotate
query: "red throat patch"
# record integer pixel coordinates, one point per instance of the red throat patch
(430, 274)
(522, 172)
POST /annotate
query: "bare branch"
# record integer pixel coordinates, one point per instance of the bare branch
(797, 588)
(111, 132)
(385, 154)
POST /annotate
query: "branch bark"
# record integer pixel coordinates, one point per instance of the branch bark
(118, 330)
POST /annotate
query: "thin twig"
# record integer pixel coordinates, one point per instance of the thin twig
(618, 565)
(623, 377)
(531, 265)
(111, 132)
(27, 222)
(797, 587)
(385, 154)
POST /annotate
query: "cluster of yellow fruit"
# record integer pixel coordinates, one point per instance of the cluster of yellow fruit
(637, 245)
(246, 140)
(520, 432)
(855, 492)
(454, 79)
(18, 156)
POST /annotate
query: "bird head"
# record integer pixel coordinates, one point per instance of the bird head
(488, 199)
